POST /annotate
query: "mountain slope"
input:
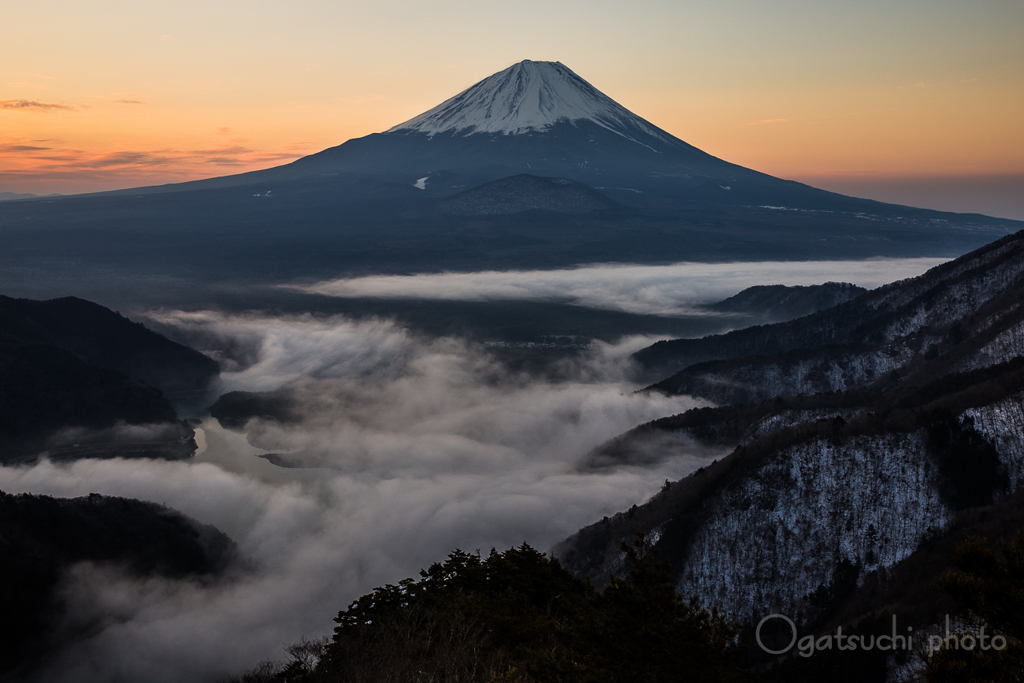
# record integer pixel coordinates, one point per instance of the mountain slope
(525, 192)
(774, 303)
(71, 384)
(110, 340)
(853, 467)
(877, 332)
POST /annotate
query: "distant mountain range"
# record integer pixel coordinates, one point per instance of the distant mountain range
(532, 167)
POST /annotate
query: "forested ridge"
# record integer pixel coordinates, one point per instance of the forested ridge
(519, 616)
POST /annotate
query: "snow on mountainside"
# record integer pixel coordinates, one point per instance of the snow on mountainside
(816, 353)
(527, 97)
(774, 537)
(903, 408)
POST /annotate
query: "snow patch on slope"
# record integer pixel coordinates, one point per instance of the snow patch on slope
(1002, 423)
(774, 538)
(529, 96)
(1005, 346)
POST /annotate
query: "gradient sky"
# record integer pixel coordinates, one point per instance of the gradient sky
(915, 101)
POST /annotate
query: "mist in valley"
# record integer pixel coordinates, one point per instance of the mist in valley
(405, 448)
(393, 447)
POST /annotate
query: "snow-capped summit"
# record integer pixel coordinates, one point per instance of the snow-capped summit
(528, 96)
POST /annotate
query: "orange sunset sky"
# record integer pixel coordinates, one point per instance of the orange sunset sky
(920, 102)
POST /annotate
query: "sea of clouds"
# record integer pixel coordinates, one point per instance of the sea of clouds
(412, 446)
(419, 446)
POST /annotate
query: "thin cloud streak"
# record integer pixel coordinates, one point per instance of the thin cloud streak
(33, 105)
(761, 123)
(658, 290)
(4, 149)
(36, 163)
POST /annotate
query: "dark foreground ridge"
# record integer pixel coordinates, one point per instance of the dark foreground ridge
(518, 616)
(42, 538)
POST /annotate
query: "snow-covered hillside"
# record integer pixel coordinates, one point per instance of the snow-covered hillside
(529, 97)
(904, 326)
(777, 535)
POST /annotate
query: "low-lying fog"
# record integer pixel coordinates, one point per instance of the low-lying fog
(656, 290)
(413, 446)
(422, 446)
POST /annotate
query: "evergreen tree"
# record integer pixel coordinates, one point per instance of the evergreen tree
(648, 632)
(988, 591)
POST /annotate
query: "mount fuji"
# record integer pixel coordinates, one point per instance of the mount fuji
(541, 118)
(532, 167)
(529, 97)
